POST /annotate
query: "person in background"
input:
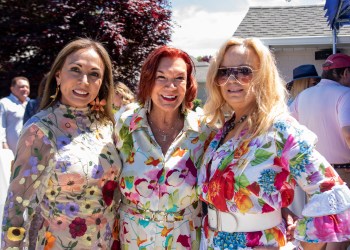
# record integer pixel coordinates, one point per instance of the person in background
(123, 96)
(304, 76)
(161, 143)
(124, 99)
(66, 161)
(251, 166)
(325, 109)
(11, 112)
(33, 104)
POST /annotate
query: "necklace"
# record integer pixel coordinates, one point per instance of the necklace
(164, 134)
(229, 125)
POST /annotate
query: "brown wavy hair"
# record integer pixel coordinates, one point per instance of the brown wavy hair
(107, 87)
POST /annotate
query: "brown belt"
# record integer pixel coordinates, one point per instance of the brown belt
(344, 166)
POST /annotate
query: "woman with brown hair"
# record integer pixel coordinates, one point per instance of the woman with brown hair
(66, 162)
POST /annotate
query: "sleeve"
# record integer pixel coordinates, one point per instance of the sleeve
(326, 216)
(343, 109)
(293, 108)
(28, 183)
(2, 124)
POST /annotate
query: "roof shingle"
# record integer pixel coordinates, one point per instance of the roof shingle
(294, 21)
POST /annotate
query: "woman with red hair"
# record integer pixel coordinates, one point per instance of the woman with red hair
(161, 142)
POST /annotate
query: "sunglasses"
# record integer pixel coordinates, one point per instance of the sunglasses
(243, 74)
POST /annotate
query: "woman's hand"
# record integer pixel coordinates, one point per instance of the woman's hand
(291, 220)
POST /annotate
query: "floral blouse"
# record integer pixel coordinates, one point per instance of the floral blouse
(260, 176)
(67, 164)
(151, 181)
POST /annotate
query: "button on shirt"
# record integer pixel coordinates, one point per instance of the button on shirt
(11, 120)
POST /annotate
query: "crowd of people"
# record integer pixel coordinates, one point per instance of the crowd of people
(97, 167)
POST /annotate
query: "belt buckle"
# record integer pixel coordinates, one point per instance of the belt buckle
(212, 228)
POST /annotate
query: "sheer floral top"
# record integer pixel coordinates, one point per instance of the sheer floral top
(67, 164)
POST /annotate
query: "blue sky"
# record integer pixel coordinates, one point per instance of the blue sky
(201, 26)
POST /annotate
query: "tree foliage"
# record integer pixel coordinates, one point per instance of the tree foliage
(34, 31)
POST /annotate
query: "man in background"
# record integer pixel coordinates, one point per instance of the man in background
(325, 109)
(11, 112)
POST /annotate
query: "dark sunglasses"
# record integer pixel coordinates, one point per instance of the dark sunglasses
(242, 74)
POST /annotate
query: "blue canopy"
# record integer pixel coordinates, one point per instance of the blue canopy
(337, 13)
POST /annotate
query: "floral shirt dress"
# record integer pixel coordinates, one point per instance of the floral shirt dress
(151, 181)
(67, 164)
(260, 176)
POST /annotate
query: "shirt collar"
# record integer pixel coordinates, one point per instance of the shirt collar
(16, 100)
(139, 119)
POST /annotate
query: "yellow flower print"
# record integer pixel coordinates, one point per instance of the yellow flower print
(243, 201)
(92, 192)
(87, 240)
(87, 207)
(19, 199)
(51, 193)
(15, 233)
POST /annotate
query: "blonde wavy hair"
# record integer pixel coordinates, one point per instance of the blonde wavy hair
(127, 96)
(300, 85)
(267, 86)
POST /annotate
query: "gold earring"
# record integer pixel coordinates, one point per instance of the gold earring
(148, 105)
(183, 108)
(54, 96)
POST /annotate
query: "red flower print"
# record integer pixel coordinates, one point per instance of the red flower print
(115, 245)
(216, 190)
(229, 180)
(327, 185)
(280, 179)
(267, 208)
(108, 191)
(254, 188)
(281, 162)
(287, 194)
(152, 161)
(184, 240)
(253, 239)
(77, 227)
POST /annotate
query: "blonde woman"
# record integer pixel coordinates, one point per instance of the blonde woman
(304, 76)
(251, 166)
(123, 96)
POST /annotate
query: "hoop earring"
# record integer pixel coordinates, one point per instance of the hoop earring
(54, 96)
(147, 105)
(183, 108)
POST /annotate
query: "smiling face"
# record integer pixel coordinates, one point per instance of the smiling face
(170, 84)
(21, 90)
(236, 94)
(80, 78)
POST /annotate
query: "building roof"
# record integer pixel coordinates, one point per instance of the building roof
(293, 21)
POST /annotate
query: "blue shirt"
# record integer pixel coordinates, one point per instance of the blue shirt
(11, 120)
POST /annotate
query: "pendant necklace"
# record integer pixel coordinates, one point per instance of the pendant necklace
(229, 125)
(162, 133)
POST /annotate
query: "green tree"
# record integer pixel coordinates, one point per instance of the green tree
(33, 31)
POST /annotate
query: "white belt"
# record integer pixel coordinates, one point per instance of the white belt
(238, 222)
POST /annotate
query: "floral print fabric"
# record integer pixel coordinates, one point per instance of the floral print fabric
(156, 182)
(260, 176)
(66, 160)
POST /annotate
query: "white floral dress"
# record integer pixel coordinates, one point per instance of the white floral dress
(151, 181)
(259, 177)
(67, 164)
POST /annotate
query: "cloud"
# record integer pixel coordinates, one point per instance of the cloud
(201, 26)
(200, 31)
